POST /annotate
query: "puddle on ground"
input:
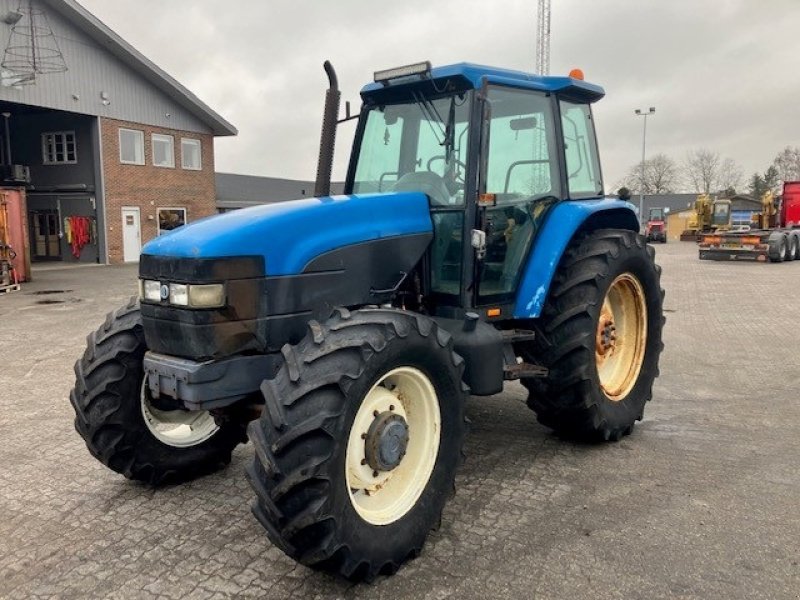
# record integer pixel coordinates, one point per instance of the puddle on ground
(49, 292)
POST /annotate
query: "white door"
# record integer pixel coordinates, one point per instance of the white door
(131, 234)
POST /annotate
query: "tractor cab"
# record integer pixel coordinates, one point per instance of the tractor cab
(493, 150)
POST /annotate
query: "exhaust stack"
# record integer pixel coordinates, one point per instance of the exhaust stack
(327, 142)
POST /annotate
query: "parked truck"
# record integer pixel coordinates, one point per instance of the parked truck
(774, 237)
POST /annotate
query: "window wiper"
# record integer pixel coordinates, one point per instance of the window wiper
(450, 131)
(431, 115)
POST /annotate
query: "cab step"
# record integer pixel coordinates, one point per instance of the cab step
(511, 336)
(524, 371)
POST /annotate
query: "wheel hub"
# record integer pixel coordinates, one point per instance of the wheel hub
(606, 336)
(386, 442)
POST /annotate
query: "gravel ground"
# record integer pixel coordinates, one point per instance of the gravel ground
(700, 502)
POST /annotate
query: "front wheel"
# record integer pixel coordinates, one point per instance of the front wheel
(357, 448)
(600, 337)
(125, 429)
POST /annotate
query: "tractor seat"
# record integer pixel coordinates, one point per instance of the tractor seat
(428, 183)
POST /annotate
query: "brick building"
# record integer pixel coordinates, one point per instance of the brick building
(104, 148)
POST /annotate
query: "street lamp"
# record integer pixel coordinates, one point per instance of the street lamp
(641, 113)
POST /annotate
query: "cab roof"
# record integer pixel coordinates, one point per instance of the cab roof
(471, 76)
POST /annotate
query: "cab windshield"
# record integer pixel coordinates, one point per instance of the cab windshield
(417, 145)
(722, 211)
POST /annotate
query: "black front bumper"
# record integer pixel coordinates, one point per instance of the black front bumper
(210, 384)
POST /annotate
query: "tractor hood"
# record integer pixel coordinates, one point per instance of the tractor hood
(288, 235)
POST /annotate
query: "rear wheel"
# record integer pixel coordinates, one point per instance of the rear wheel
(778, 249)
(122, 425)
(600, 337)
(793, 252)
(357, 448)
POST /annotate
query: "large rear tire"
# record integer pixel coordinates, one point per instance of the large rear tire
(122, 427)
(599, 336)
(358, 445)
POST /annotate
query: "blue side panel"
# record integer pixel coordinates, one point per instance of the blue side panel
(560, 225)
(290, 234)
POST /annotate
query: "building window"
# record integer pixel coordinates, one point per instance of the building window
(131, 146)
(191, 157)
(58, 148)
(163, 150)
(170, 218)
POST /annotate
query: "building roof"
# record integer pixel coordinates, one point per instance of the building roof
(674, 202)
(475, 75)
(240, 191)
(135, 60)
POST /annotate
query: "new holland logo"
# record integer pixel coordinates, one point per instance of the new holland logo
(164, 291)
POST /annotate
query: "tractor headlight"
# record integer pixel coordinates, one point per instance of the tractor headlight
(179, 294)
(190, 295)
(151, 291)
(207, 296)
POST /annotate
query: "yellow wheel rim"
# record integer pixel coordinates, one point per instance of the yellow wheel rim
(621, 337)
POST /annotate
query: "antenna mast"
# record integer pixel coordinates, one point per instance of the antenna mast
(543, 38)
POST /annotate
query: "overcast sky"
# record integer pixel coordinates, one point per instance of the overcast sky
(722, 74)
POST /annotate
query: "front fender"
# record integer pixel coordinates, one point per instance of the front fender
(560, 226)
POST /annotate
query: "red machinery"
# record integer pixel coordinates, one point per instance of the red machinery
(656, 228)
(775, 237)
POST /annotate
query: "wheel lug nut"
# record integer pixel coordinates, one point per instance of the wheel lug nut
(363, 436)
(374, 473)
(363, 461)
(375, 413)
(391, 407)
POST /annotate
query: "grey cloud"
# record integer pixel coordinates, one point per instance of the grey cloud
(720, 72)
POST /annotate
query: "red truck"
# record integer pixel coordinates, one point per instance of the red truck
(656, 228)
(775, 237)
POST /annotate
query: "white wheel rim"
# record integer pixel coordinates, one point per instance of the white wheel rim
(177, 428)
(386, 497)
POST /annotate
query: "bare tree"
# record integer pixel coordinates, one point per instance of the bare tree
(660, 174)
(701, 170)
(787, 163)
(730, 176)
(706, 171)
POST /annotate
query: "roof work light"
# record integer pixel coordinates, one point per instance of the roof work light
(421, 68)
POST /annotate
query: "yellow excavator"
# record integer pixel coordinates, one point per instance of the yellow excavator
(709, 215)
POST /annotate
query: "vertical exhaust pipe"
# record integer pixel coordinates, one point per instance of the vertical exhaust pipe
(327, 142)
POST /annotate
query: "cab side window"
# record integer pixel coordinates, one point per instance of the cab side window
(580, 149)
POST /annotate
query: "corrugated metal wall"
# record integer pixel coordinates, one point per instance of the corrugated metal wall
(92, 72)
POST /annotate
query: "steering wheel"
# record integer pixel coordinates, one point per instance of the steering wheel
(458, 175)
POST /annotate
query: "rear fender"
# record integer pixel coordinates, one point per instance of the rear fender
(566, 220)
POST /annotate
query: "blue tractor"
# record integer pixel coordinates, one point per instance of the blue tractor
(343, 334)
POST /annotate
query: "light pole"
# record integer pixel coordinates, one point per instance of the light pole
(641, 113)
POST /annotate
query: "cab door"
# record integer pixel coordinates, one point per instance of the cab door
(520, 181)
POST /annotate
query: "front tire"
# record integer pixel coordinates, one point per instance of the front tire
(121, 426)
(600, 337)
(358, 445)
